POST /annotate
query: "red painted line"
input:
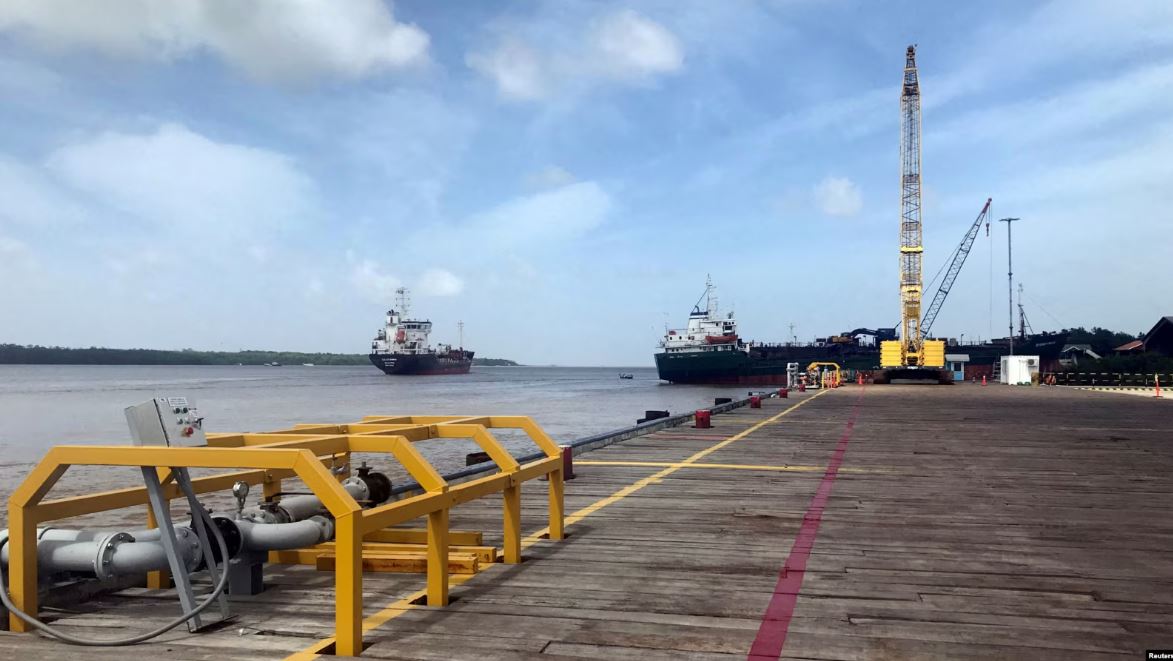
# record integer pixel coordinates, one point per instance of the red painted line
(776, 620)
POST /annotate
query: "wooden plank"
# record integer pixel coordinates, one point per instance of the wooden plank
(405, 563)
(486, 554)
(995, 523)
(419, 536)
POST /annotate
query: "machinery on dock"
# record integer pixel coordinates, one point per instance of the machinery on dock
(337, 521)
(912, 358)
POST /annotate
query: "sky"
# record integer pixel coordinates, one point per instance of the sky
(562, 176)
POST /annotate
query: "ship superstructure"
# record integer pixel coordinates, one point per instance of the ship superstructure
(401, 345)
(707, 330)
(709, 350)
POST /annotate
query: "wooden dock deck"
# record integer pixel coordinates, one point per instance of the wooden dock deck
(867, 522)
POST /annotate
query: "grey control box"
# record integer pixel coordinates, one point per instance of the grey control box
(169, 421)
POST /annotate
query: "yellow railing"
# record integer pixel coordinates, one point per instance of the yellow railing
(304, 452)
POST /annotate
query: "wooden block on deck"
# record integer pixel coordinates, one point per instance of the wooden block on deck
(420, 536)
(486, 554)
(405, 563)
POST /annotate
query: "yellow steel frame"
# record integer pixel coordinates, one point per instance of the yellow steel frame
(305, 452)
(825, 383)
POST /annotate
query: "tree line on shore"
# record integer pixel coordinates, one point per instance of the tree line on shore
(16, 354)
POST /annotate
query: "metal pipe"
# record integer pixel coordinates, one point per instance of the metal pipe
(106, 554)
(110, 554)
(299, 508)
(284, 536)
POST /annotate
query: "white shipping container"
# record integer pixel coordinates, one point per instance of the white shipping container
(1017, 370)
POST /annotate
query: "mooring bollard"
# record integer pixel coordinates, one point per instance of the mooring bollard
(783, 393)
(474, 458)
(704, 419)
(755, 402)
(567, 462)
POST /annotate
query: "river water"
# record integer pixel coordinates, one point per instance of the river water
(44, 405)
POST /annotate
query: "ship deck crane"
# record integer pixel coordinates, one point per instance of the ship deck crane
(911, 358)
(955, 264)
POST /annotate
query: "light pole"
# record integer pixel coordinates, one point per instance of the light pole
(1010, 276)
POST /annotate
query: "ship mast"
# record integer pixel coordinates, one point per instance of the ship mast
(911, 246)
(402, 301)
(460, 333)
(710, 296)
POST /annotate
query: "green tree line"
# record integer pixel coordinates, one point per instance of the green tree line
(16, 354)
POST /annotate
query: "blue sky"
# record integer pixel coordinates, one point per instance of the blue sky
(561, 176)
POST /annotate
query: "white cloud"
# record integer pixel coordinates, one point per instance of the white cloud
(259, 253)
(268, 39)
(838, 196)
(438, 282)
(315, 287)
(372, 283)
(516, 69)
(633, 46)
(551, 176)
(180, 179)
(31, 198)
(1084, 108)
(542, 218)
(621, 47)
(403, 142)
(11, 248)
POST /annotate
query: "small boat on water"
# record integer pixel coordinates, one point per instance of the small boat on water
(625, 375)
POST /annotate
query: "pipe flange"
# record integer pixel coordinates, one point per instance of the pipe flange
(360, 486)
(378, 486)
(327, 527)
(105, 556)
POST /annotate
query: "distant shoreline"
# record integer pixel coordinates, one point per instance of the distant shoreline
(15, 354)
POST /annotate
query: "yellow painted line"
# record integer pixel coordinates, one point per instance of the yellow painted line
(743, 467)
(405, 604)
(656, 477)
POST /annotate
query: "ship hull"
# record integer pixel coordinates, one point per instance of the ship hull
(761, 365)
(719, 368)
(421, 364)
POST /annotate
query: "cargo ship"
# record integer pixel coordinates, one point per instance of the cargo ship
(709, 351)
(401, 345)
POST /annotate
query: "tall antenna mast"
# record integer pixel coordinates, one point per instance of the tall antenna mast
(460, 331)
(911, 246)
(1010, 274)
(403, 300)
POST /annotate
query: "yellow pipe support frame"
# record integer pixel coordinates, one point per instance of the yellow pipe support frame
(437, 558)
(304, 452)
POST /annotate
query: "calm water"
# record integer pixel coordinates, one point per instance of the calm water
(43, 405)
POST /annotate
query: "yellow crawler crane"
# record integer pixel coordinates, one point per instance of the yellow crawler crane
(912, 358)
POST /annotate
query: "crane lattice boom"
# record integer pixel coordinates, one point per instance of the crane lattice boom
(958, 260)
(911, 247)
